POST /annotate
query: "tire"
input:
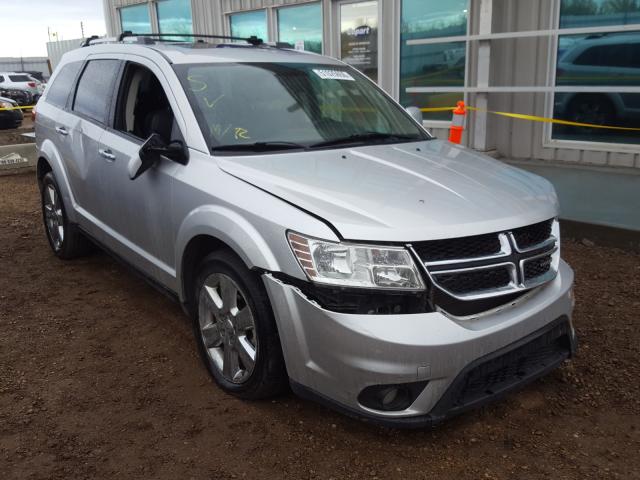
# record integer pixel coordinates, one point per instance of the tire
(234, 326)
(64, 238)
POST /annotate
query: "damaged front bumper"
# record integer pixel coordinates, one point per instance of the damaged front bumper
(456, 363)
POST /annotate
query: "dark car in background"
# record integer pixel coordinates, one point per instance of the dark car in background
(21, 97)
(9, 118)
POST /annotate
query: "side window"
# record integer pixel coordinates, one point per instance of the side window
(58, 91)
(1, 79)
(95, 89)
(143, 107)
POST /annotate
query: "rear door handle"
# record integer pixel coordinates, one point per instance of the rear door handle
(106, 154)
(62, 131)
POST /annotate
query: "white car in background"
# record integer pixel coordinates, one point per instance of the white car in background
(21, 81)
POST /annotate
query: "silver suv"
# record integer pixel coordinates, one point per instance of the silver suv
(316, 234)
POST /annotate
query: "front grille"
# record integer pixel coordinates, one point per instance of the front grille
(531, 235)
(499, 266)
(454, 248)
(500, 372)
(537, 267)
(474, 280)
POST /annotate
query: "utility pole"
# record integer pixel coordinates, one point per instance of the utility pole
(49, 33)
(82, 29)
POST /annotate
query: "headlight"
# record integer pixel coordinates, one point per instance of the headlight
(352, 265)
(6, 105)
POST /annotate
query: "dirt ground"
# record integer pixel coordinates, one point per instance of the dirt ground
(99, 378)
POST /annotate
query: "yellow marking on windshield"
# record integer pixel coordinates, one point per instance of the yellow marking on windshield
(212, 104)
(203, 86)
(241, 134)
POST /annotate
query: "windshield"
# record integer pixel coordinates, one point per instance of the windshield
(288, 106)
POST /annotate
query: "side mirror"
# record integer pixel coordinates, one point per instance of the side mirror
(415, 113)
(152, 149)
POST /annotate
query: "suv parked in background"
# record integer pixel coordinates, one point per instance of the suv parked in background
(21, 81)
(603, 59)
(315, 233)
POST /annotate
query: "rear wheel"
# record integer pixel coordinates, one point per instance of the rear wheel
(592, 109)
(65, 239)
(235, 329)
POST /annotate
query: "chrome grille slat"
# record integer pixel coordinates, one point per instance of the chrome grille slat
(512, 267)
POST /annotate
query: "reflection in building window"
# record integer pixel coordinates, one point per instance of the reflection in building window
(598, 60)
(435, 64)
(174, 16)
(247, 24)
(135, 19)
(598, 13)
(301, 25)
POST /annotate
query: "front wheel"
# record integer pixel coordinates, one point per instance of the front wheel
(235, 329)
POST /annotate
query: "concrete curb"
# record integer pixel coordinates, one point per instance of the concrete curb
(16, 159)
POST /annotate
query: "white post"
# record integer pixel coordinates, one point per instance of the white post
(484, 61)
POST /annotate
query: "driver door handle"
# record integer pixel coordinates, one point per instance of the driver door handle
(62, 131)
(107, 154)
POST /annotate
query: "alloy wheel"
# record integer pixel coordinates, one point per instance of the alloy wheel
(227, 328)
(54, 218)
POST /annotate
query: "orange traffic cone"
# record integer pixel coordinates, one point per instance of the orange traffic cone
(457, 123)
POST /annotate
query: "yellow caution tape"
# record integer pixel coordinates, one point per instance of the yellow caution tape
(18, 108)
(519, 116)
(534, 118)
(437, 109)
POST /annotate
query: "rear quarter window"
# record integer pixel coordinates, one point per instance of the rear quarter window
(95, 89)
(58, 91)
(20, 78)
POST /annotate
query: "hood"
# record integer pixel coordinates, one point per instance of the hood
(405, 192)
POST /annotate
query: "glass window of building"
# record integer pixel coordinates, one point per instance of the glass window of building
(598, 60)
(246, 24)
(433, 64)
(598, 13)
(301, 25)
(174, 16)
(135, 18)
(359, 36)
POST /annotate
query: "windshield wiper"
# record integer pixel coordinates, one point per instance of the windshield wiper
(258, 146)
(364, 137)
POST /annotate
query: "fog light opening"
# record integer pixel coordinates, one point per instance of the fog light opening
(391, 397)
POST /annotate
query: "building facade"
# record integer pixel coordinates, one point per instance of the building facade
(576, 60)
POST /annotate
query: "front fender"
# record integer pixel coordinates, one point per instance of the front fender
(50, 153)
(229, 227)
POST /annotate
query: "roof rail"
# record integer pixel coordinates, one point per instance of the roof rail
(95, 39)
(252, 40)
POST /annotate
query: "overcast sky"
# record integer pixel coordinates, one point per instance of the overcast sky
(23, 30)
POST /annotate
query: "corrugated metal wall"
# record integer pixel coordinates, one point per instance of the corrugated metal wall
(55, 50)
(22, 64)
